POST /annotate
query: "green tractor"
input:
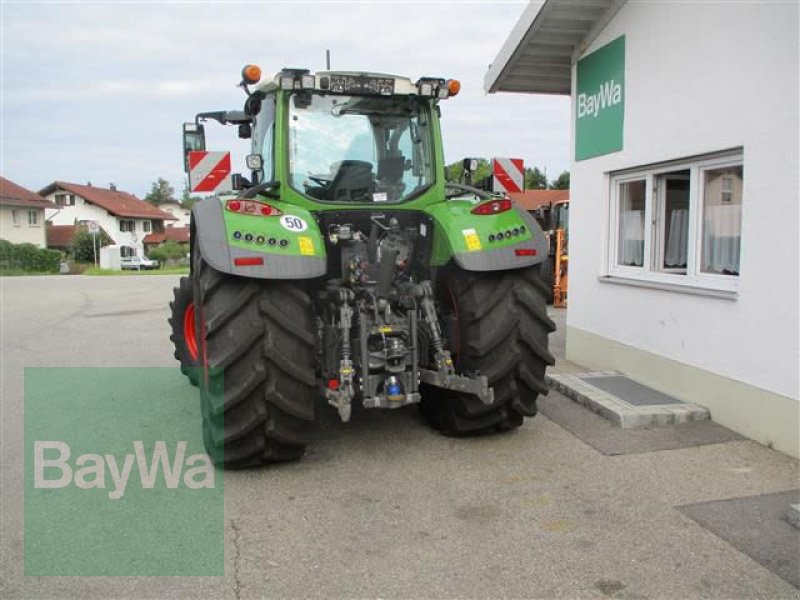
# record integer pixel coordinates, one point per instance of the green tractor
(347, 269)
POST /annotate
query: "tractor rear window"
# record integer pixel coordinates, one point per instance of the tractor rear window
(359, 149)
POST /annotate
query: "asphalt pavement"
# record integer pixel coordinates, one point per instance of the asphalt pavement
(384, 507)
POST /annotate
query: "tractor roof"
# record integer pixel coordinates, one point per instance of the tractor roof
(360, 83)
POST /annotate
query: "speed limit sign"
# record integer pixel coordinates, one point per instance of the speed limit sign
(93, 226)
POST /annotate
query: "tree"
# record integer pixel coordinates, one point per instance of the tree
(160, 192)
(82, 247)
(169, 250)
(187, 199)
(562, 182)
(535, 179)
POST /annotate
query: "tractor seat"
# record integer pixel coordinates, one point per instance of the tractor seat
(353, 182)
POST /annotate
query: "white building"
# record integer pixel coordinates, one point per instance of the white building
(684, 245)
(177, 210)
(125, 218)
(22, 214)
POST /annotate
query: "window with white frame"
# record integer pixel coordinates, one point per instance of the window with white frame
(15, 218)
(146, 227)
(33, 218)
(65, 199)
(678, 222)
(127, 225)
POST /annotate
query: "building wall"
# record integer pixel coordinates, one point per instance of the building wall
(176, 210)
(700, 78)
(86, 211)
(24, 233)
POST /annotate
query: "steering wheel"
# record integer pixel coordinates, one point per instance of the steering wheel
(321, 181)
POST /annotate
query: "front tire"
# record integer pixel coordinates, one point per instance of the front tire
(500, 330)
(258, 388)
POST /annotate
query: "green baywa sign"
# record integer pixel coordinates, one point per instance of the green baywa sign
(600, 101)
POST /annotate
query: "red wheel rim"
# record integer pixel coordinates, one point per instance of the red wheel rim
(189, 332)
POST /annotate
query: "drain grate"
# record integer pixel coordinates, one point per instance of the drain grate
(630, 391)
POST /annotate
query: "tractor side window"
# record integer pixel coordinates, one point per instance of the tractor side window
(411, 146)
(263, 136)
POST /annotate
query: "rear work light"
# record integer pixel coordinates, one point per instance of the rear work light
(247, 207)
(492, 207)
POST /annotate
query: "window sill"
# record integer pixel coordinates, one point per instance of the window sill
(695, 290)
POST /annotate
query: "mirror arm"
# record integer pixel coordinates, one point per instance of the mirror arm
(224, 117)
(266, 189)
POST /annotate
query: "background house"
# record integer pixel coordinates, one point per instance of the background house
(684, 248)
(22, 214)
(178, 235)
(124, 217)
(177, 210)
(59, 237)
(530, 200)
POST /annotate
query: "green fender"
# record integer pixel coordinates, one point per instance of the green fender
(506, 240)
(285, 246)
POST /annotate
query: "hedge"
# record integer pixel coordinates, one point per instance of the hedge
(169, 251)
(28, 257)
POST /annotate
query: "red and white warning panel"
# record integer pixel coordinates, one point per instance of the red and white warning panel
(210, 171)
(508, 175)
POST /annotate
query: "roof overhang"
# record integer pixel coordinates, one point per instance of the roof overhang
(549, 37)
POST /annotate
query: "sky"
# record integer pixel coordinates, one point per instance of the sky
(98, 91)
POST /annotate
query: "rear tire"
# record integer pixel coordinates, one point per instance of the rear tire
(501, 328)
(548, 277)
(182, 338)
(258, 388)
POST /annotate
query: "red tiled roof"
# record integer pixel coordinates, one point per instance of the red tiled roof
(12, 194)
(170, 234)
(532, 199)
(60, 236)
(116, 202)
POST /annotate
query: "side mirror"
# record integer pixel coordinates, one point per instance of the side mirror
(194, 139)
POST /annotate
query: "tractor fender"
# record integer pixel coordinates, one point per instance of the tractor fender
(285, 246)
(508, 240)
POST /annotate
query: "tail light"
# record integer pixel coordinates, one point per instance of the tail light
(247, 207)
(492, 207)
(525, 252)
(248, 261)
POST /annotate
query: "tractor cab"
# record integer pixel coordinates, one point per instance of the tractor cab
(337, 137)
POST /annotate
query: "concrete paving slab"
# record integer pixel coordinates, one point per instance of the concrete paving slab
(755, 526)
(604, 436)
(620, 410)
